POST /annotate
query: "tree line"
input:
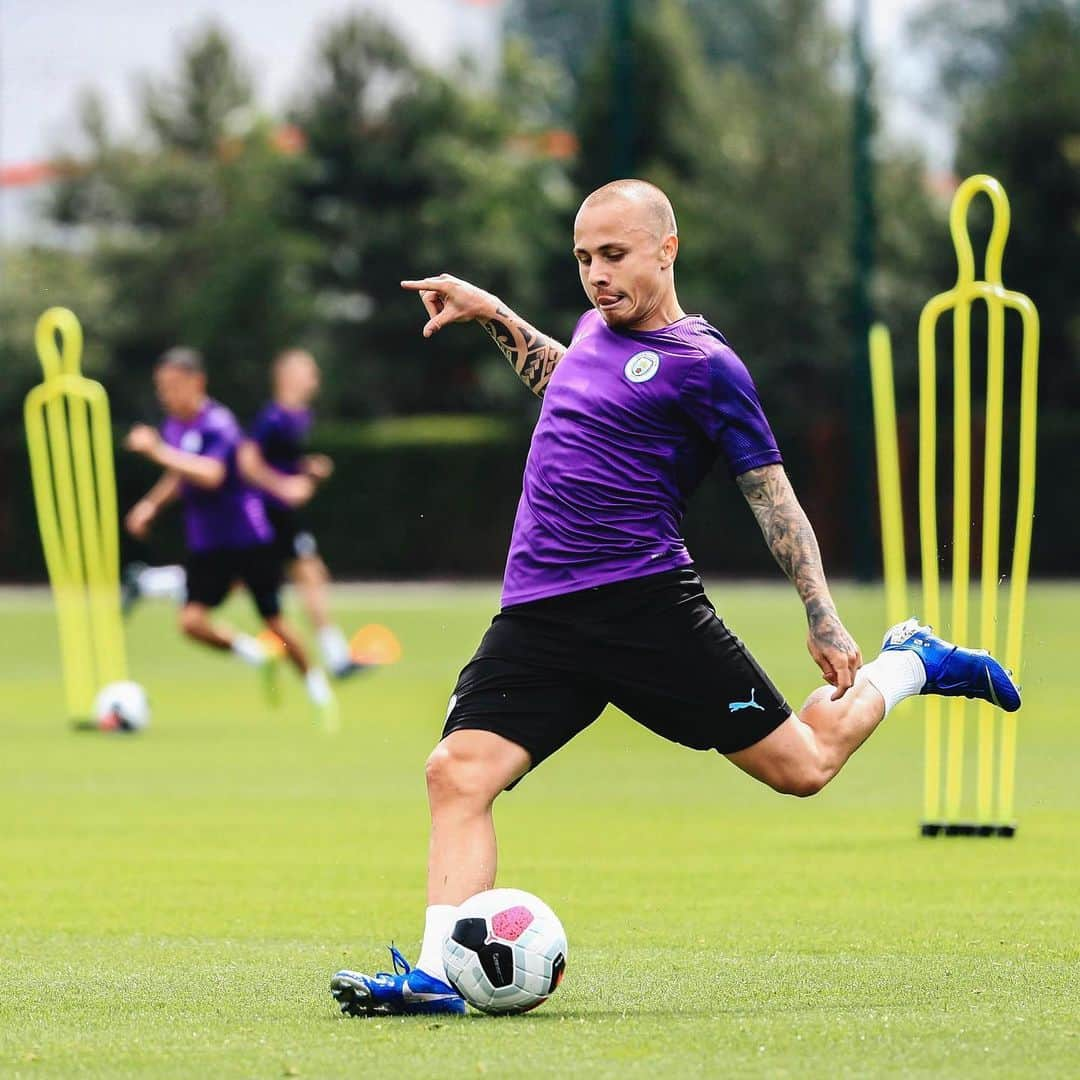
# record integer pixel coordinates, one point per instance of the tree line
(239, 230)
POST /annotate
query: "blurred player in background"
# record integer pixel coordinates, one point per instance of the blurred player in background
(274, 456)
(227, 533)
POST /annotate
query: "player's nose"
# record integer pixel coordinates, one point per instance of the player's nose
(599, 277)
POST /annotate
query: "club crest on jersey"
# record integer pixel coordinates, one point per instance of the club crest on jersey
(191, 441)
(642, 366)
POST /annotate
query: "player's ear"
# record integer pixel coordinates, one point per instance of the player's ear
(669, 251)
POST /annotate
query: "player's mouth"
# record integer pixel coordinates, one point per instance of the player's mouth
(609, 301)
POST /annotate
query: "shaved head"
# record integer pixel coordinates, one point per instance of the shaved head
(640, 193)
(626, 243)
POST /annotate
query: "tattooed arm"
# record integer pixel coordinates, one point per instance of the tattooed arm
(531, 354)
(448, 299)
(791, 539)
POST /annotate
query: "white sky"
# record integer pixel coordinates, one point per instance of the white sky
(51, 49)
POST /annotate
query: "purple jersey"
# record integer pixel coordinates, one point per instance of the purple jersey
(281, 435)
(631, 424)
(231, 516)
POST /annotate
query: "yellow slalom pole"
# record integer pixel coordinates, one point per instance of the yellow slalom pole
(888, 469)
(1025, 516)
(70, 611)
(928, 537)
(991, 543)
(959, 300)
(961, 541)
(69, 438)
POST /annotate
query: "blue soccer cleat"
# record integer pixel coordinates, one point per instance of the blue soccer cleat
(952, 670)
(403, 993)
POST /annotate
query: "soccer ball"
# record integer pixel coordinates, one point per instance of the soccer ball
(122, 706)
(506, 952)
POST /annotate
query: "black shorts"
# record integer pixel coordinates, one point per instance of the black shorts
(652, 646)
(211, 574)
(292, 538)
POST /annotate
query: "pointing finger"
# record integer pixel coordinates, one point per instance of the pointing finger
(425, 284)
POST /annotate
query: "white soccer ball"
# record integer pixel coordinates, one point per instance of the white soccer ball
(122, 706)
(506, 952)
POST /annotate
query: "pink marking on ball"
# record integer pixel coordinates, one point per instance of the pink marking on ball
(511, 923)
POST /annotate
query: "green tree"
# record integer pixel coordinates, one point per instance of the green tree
(1011, 74)
(189, 228)
(417, 172)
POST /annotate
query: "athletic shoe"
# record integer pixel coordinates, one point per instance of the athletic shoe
(404, 992)
(952, 670)
(130, 593)
(349, 667)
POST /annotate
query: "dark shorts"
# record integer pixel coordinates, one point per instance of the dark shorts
(292, 537)
(211, 574)
(653, 647)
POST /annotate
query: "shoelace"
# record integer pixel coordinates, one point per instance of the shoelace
(401, 965)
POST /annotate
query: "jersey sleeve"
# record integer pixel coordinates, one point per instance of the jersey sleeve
(265, 428)
(721, 399)
(220, 437)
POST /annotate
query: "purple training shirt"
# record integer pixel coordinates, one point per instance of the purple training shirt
(281, 435)
(231, 516)
(631, 424)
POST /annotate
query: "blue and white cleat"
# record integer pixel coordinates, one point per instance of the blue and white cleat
(952, 670)
(405, 992)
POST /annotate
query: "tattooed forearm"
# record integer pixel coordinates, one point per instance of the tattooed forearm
(789, 535)
(531, 354)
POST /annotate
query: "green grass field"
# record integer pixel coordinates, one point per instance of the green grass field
(174, 904)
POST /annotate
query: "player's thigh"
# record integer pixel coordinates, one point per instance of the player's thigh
(475, 762)
(259, 568)
(516, 687)
(700, 686)
(209, 576)
(785, 759)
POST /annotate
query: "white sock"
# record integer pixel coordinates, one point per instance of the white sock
(250, 650)
(334, 647)
(318, 687)
(437, 925)
(169, 582)
(896, 675)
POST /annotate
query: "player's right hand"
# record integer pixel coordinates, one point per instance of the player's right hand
(834, 651)
(142, 439)
(294, 491)
(448, 299)
(318, 466)
(139, 519)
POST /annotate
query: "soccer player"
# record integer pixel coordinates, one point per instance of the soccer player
(275, 451)
(226, 529)
(601, 602)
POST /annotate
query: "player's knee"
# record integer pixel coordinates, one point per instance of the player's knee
(802, 782)
(445, 774)
(454, 777)
(192, 621)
